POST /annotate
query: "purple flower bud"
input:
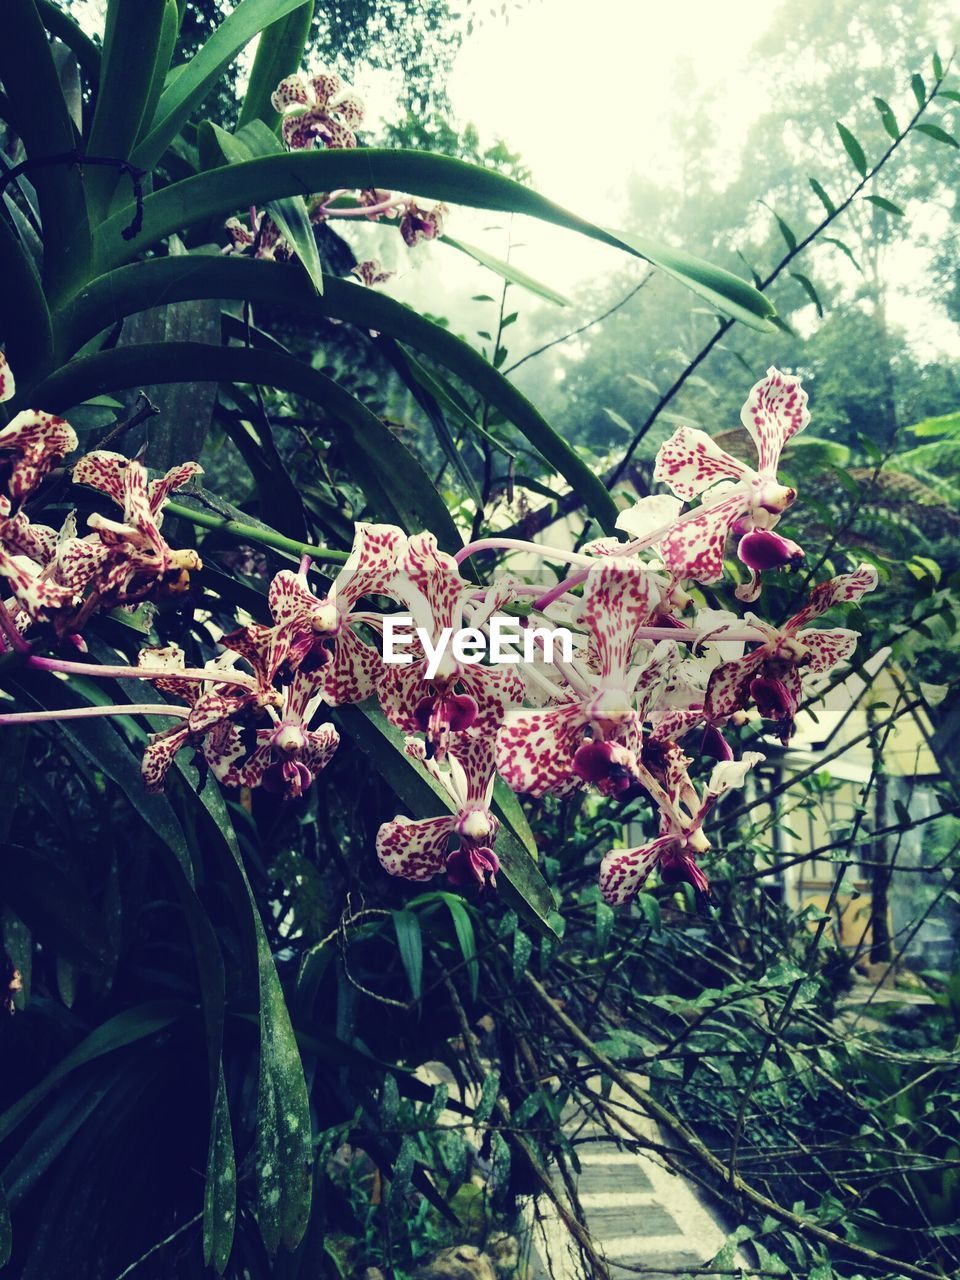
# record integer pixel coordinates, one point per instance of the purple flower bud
(763, 549)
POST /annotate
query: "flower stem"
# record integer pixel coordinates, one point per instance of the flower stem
(80, 713)
(209, 520)
(139, 673)
(516, 544)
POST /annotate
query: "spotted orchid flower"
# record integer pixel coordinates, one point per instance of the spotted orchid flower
(31, 445)
(595, 735)
(733, 496)
(317, 631)
(8, 387)
(139, 560)
(262, 239)
(318, 110)
(286, 755)
(418, 850)
(418, 224)
(681, 841)
(217, 718)
(771, 676)
(460, 695)
(370, 272)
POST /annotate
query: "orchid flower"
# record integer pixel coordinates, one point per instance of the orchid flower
(460, 695)
(138, 559)
(318, 632)
(318, 109)
(771, 676)
(211, 719)
(418, 850)
(370, 272)
(594, 735)
(733, 496)
(31, 445)
(286, 755)
(263, 238)
(417, 224)
(675, 851)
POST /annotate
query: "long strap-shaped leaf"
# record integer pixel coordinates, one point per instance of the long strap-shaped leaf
(41, 118)
(278, 55)
(59, 23)
(187, 90)
(118, 293)
(391, 477)
(24, 318)
(210, 195)
(130, 46)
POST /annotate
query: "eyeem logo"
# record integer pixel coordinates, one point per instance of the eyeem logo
(503, 640)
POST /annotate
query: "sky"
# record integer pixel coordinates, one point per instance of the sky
(586, 92)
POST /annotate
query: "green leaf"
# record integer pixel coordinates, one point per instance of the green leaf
(56, 908)
(949, 93)
(220, 1192)
(508, 272)
(919, 88)
(407, 928)
(939, 135)
(39, 115)
(290, 214)
(808, 287)
(24, 318)
(278, 56)
(618, 421)
(131, 43)
(463, 927)
(886, 205)
(132, 288)
(844, 249)
(853, 149)
(392, 478)
(169, 30)
(135, 1024)
(822, 196)
(6, 1231)
(937, 64)
(786, 231)
(60, 24)
(222, 191)
(189, 86)
(887, 118)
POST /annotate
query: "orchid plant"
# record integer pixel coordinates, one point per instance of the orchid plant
(649, 665)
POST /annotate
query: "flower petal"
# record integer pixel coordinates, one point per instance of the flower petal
(694, 547)
(414, 850)
(650, 518)
(37, 441)
(623, 872)
(292, 89)
(159, 756)
(690, 462)
(372, 565)
(728, 687)
(618, 597)
(535, 748)
(161, 489)
(729, 774)
(775, 410)
(843, 589)
(355, 671)
(827, 649)
(7, 385)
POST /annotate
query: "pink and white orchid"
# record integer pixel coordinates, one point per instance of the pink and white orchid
(733, 496)
(623, 872)
(771, 676)
(8, 387)
(317, 632)
(594, 734)
(460, 695)
(418, 850)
